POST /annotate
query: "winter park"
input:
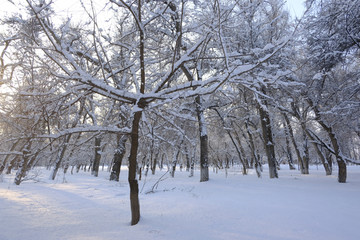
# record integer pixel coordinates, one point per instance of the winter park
(179, 119)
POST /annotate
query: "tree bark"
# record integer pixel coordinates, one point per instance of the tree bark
(306, 157)
(268, 141)
(3, 164)
(204, 159)
(133, 183)
(175, 159)
(237, 148)
(154, 163)
(342, 174)
(97, 158)
(254, 154)
(323, 159)
(292, 137)
(118, 157)
(288, 149)
(60, 156)
(21, 172)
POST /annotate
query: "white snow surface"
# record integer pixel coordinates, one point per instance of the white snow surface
(83, 207)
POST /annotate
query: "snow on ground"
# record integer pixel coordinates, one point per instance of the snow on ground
(227, 207)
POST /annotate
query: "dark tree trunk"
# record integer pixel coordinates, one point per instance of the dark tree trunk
(60, 156)
(342, 174)
(20, 174)
(236, 145)
(342, 171)
(268, 141)
(175, 158)
(118, 157)
(254, 154)
(3, 164)
(306, 157)
(292, 137)
(204, 159)
(323, 159)
(67, 162)
(133, 183)
(154, 163)
(288, 149)
(187, 156)
(97, 157)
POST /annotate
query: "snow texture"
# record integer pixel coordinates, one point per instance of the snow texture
(81, 207)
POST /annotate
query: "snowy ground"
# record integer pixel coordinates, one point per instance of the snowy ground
(232, 207)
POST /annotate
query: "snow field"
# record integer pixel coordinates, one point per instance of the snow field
(83, 207)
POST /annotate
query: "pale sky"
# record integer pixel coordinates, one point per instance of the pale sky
(296, 7)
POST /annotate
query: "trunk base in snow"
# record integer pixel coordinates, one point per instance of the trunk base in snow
(134, 201)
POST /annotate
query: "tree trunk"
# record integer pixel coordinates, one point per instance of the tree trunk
(237, 148)
(288, 148)
(342, 171)
(204, 160)
(187, 156)
(21, 172)
(291, 134)
(306, 157)
(268, 141)
(60, 156)
(175, 158)
(97, 158)
(3, 164)
(342, 174)
(67, 162)
(254, 154)
(118, 157)
(154, 163)
(133, 183)
(323, 159)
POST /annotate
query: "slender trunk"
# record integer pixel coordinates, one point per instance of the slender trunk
(192, 165)
(342, 174)
(175, 158)
(292, 137)
(187, 156)
(118, 157)
(147, 166)
(288, 148)
(97, 158)
(323, 159)
(16, 160)
(20, 174)
(204, 160)
(241, 157)
(133, 183)
(268, 141)
(245, 163)
(306, 157)
(154, 163)
(67, 162)
(13, 164)
(64, 145)
(3, 164)
(60, 156)
(254, 154)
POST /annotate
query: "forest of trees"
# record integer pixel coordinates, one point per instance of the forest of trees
(180, 83)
